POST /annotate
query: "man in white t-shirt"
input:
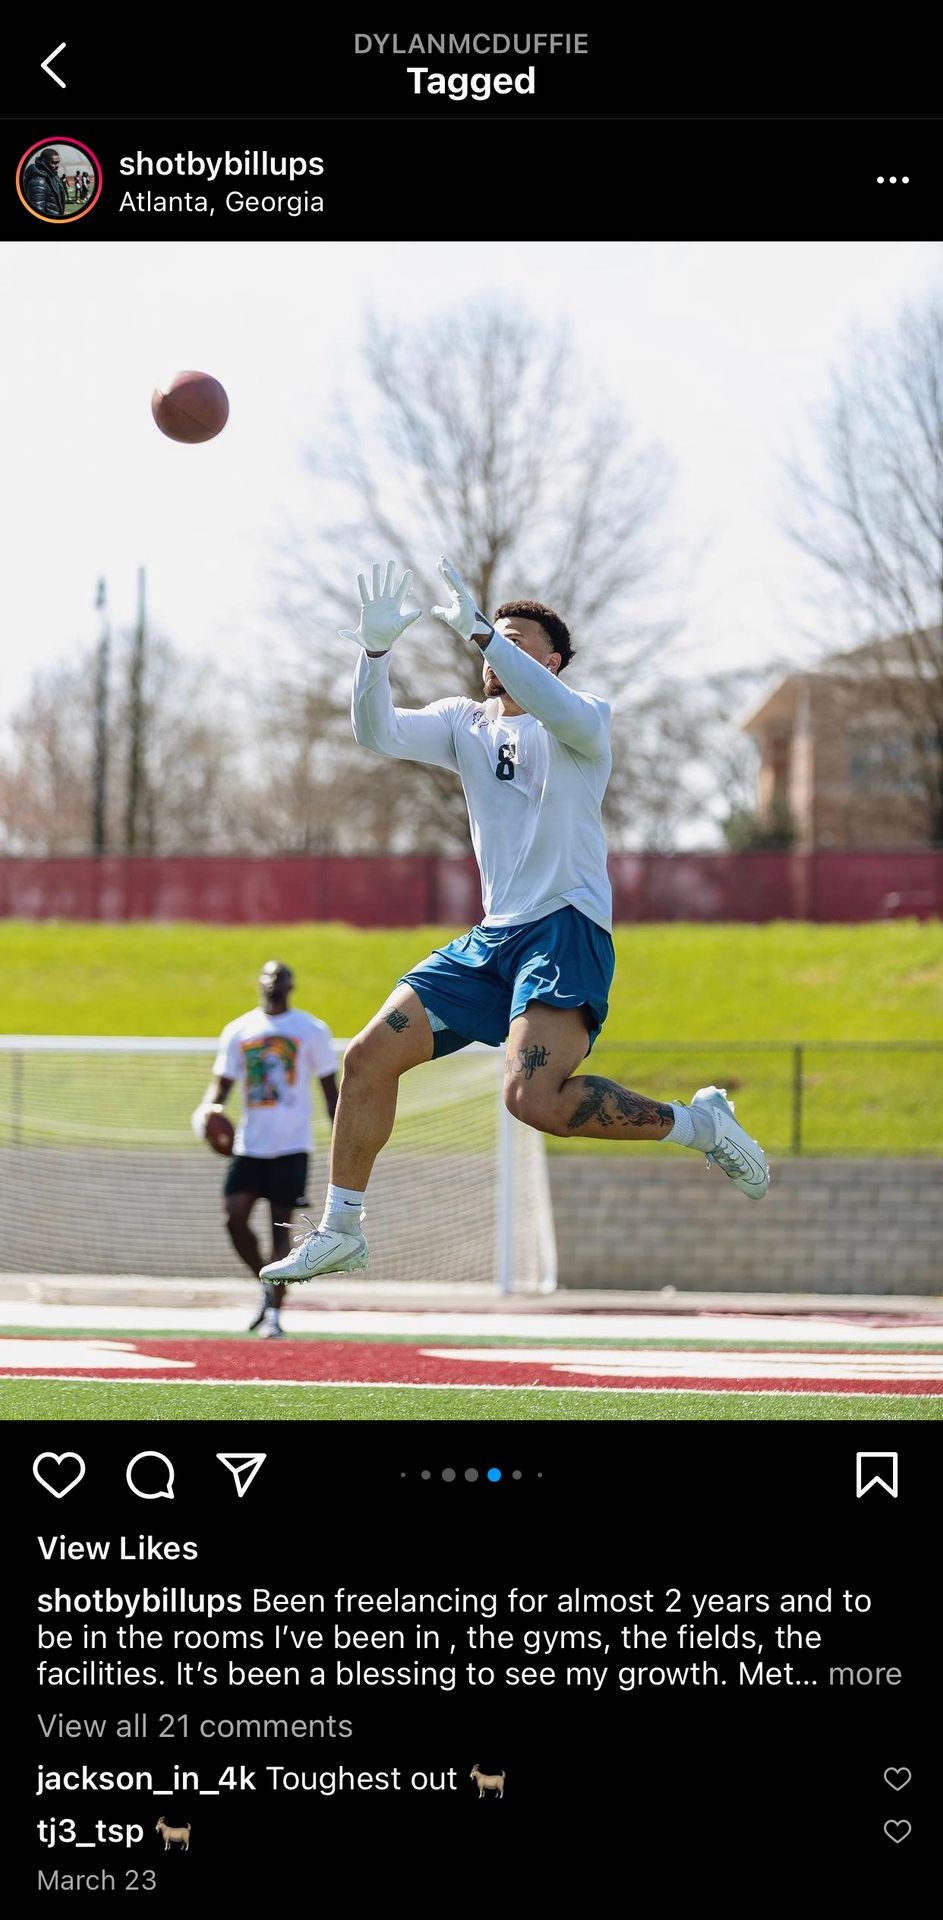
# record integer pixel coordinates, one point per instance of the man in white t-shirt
(534, 758)
(273, 1052)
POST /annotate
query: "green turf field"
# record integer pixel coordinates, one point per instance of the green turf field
(674, 986)
(68, 1400)
(786, 981)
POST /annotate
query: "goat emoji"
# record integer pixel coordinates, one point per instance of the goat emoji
(179, 1834)
(488, 1782)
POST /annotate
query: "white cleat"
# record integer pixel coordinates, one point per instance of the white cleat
(731, 1149)
(321, 1250)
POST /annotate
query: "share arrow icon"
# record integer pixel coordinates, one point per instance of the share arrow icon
(243, 1467)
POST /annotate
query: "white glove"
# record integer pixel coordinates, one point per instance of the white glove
(382, 619)
(200, 1115)
(461, 615)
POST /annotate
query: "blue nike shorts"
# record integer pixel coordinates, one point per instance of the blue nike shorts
(473, 988)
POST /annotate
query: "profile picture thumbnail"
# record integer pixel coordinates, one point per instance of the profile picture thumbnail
(58, 180)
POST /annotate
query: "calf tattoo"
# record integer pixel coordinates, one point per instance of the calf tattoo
(397, 1020)
(613, 1106)
(529, 1058)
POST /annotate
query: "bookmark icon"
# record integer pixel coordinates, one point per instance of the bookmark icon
(885, 1476)
(243, 1467)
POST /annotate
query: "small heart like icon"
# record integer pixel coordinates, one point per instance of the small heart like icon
(897, 1777)
(897, 1830)
(58, 1460)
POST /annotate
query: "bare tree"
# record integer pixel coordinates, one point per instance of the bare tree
(100, 724)
(47, 779)
(189, 743)
(477, 436)
(874, 525)
(135, 725)
(45, 782)
(690, 760)
(318, 793)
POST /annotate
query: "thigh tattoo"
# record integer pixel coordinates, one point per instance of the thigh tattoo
(528, 1059)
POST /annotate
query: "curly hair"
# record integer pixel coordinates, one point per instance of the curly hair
(556, 630)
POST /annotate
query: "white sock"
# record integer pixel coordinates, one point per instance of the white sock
(342, 1210)
(271, 1316)
(682, 1133)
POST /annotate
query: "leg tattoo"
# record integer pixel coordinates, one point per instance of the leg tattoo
(529, 1058)
(397, 1020)
(611, 1105)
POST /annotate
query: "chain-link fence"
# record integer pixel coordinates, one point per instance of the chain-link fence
(841, 1097)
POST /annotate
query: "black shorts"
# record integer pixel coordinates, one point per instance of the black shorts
(281, 1180)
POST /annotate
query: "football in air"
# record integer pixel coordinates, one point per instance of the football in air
(190, 407)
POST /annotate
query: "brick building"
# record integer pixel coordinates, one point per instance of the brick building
(844, 749)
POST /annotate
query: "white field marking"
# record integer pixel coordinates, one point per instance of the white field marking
(701, 1365)
(81, 1353)
(908, 1330)
(438, 1386)
(144, 1320)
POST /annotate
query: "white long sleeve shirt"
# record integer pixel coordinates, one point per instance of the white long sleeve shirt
(533, 782)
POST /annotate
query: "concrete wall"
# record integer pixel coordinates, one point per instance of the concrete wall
(826, 1226)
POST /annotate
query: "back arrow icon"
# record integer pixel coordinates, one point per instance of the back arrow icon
(46, 67)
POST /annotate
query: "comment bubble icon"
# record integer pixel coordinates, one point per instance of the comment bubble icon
(163, 1492)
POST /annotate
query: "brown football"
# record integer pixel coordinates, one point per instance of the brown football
(190, 407)
(220, 1133)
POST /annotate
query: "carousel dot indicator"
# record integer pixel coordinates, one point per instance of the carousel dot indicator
(494, 1473)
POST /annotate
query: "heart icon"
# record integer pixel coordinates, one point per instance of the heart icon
(897, 1777)
(58, 1460)
(897, 1830)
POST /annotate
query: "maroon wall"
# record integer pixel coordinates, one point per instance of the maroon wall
(392, 891)
(410, 889)
(872, 886)
(701, 886)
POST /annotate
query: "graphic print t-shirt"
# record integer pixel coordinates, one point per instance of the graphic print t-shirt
(273, 1058)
